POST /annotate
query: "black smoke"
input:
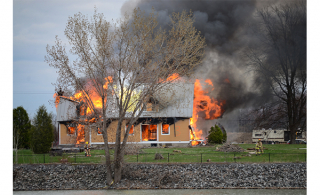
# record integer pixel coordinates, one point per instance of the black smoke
(226, 26)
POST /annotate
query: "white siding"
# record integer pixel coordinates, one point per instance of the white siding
(66, 110)
(176, 101)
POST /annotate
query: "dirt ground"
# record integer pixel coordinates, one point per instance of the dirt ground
(239, 137)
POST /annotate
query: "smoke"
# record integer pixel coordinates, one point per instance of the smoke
(225, 25)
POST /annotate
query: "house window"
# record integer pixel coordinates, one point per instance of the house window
(149, 132)
(99, 132)
(265, 133)
(257, 135)
(165, 129)
(151, 105)
(131, 129)
(71, 130)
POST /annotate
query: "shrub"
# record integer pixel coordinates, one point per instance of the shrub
(215, 135)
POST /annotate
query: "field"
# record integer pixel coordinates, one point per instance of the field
(274, 154)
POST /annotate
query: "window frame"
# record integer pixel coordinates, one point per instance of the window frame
(148, 129)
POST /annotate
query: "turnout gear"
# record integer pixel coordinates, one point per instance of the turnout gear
(87, 149)
(259, 147)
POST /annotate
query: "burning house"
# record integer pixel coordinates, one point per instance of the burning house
(169, 118)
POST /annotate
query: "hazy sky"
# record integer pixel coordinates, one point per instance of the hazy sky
(35, 24)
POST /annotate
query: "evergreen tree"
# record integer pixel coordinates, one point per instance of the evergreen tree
(215, 135)
(21, 127)
(42, 131)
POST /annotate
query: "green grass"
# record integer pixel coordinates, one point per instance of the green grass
(274, 153)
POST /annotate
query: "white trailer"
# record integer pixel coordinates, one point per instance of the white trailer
(275, 135)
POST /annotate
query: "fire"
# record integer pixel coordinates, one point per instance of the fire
(57, 99)
(172, 77)
(71, 130)
(209, 82)
(80, 97)
(80, 134)
(203, 104)
(149, 133)
(108, 80)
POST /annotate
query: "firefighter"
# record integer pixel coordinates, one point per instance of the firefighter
(87, 149)
(259, 147)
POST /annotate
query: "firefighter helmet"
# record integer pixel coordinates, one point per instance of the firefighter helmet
(86, 142)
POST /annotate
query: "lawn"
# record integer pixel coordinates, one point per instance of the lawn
(274, 153)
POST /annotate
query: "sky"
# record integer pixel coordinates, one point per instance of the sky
(35, 24)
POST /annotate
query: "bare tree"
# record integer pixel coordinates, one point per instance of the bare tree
(279, 58)
(125, 63)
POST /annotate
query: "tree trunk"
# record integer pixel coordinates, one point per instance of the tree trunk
(106, 145)
(117, 169)
(117, 153)
(108, 160)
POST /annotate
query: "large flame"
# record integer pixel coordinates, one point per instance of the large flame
(79, 96)
(80, 134)
(204, 104)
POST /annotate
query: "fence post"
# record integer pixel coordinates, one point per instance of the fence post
(44, 158)
(201, 157)
(168, 157)
(305, 157)
(75, 158)
(137, 157)
(269, 157)
(234, 157)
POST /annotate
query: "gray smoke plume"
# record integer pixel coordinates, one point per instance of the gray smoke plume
(225, 27)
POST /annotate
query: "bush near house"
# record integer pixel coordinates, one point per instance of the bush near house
(215, 135)
(42, 131)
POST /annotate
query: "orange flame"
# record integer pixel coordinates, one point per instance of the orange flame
(203, 104)
(80, 134)
(149, 132)
(172, 77)
(71, 130)
(57, 99)
(209, 82)
(80, 96)
(108, 80)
